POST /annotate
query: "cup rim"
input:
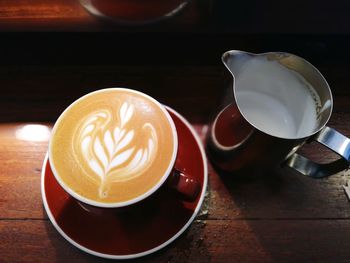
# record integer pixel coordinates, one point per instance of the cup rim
(138, 198)
(157, 248)
(130, 22)
(233, 52)
(216, 141)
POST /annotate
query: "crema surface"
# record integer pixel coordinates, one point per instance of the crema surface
(112, 146)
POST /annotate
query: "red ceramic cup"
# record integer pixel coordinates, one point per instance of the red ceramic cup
(186, 187)
(134, 11)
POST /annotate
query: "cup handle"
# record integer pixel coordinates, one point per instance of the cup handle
(331, 139)
(187, 187)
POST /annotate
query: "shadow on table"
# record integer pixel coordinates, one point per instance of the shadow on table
(274, 194)
(285, 216)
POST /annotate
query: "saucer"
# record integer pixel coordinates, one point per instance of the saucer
(116, 234)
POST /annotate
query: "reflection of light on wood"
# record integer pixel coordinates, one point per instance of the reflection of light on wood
(33, 132)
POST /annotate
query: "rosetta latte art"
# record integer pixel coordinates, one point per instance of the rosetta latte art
(112, 148)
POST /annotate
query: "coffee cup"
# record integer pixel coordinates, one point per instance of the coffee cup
(115, 147)
(134, 12)
(275, 103)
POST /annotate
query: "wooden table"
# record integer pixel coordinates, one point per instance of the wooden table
(273, 218)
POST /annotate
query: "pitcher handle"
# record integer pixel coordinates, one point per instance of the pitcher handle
(331, 139)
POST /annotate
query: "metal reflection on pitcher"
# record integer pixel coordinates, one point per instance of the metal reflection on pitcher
(276, 102)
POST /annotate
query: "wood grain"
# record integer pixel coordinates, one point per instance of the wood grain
(20, 173)
(286, 218)
(281, 217)
(205, 241)
(285, 195)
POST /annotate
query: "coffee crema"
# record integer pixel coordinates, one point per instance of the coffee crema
(112, 145)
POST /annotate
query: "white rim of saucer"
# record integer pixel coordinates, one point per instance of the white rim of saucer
(138, 198)
(141, 254)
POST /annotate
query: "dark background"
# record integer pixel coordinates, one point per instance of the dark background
(52, 52)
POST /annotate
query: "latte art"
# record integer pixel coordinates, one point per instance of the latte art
(111, 151)
(112, 146)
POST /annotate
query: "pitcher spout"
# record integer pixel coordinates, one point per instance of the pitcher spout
(235, 59)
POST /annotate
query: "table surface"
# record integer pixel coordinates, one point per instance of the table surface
(272, 218)
(281, 217)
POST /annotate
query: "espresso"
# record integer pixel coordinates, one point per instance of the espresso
(113, 145)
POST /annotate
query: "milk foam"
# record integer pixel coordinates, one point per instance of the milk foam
(275, 99)
(112, 146)
(109, 148)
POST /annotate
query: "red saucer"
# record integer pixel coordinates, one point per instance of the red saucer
(122, 234)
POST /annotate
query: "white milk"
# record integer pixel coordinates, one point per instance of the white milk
(274, 99)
